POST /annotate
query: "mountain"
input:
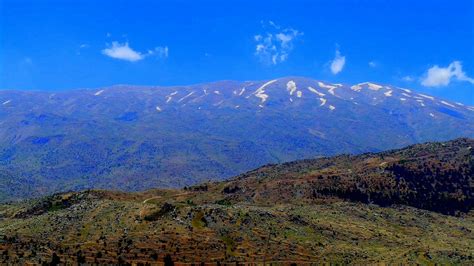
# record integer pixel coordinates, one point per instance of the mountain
(133, 138)
(407, 206)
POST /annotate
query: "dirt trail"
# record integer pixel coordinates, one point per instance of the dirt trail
(173, 196)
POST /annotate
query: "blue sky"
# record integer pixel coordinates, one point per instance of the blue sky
(427, 46)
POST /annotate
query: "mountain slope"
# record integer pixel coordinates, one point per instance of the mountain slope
(266, 215)
(433, 176)
(133, 138)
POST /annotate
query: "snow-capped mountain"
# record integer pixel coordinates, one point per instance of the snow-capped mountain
(129, 137)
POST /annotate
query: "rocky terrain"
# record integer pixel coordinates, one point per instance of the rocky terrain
(407, 206)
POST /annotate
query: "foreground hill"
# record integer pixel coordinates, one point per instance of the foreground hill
(134, 138)
(310, 211)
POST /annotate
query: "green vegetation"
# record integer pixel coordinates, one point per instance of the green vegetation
(278, 214)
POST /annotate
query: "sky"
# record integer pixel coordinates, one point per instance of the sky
(426, 46)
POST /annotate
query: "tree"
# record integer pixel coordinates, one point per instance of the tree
(55, 260)
(168, 261)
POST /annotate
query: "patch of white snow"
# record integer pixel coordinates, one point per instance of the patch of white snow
(291, 86)
(260, 92)
(189, 94)
(313, 90)
(323, 101)
(448, 104)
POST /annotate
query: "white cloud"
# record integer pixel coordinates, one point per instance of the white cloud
(122, 52)
(408, 78)
(125, 52)
(338, 63)
(441, 76)
(275, 45)
(372, 64)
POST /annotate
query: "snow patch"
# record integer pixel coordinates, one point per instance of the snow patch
(388, 93)
(432, 115)
(426, 96)
(332, 107)
(291, 86)
(403, 99)
(404, 94)
(313, 90)
(189, 94)
(99, 92)
(448, 104)
(356, 87)
(170, 96)
(326, 86)
(299, 94)
(158, 109)
(219, 103)
(323, 101)
(260, 92)
(421, 102)
(217, 92)
(6, 102)
(241, 91)
(373, 86)
(406, 90)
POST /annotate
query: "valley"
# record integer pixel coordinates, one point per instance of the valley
(362, 209)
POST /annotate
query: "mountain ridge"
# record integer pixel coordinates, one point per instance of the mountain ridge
(137, 138)
(154, 86)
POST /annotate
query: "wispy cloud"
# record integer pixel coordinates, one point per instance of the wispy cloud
(275, 45)
(159, 51)
(337, 64)
(441, 76)
(81, 47)
(408, 78)
(373, 64)
(125, 52)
